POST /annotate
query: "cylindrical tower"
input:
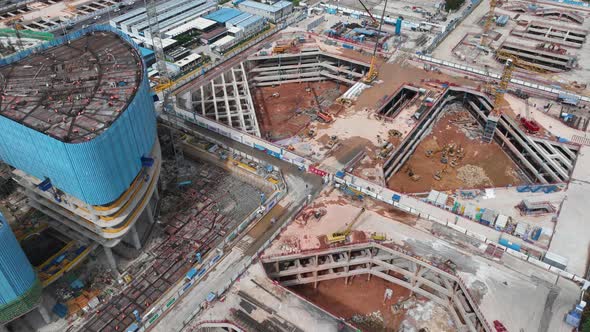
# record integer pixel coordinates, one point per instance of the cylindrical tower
(20, 290)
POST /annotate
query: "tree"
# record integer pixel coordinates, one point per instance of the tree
(453, 4)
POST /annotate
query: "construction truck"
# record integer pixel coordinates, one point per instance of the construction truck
(341, 236)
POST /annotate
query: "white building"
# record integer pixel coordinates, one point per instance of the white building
(275, 12)
(171, 15)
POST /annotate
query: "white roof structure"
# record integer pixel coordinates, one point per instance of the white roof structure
(166, 42)
(223, 41)
(187, 60)
(199, 23)
(501, 221)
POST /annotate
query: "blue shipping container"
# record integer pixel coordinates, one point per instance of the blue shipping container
(509, 244)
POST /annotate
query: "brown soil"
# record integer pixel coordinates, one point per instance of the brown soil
(393, 76)
(492, 161)
(361, 297)
(286, 115)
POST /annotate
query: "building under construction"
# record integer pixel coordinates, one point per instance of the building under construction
(78, 126)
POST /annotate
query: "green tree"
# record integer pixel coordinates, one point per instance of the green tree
(453, 4)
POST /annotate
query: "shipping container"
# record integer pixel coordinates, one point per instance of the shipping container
(509, 244)
(555, 260)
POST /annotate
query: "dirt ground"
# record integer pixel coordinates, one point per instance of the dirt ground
(393, 75)
(286, 115)
(484, 165)
(360, 303)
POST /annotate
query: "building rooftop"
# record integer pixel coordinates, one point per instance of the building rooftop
(72, 92)
(199, 23)
(223, 41)
(223, 15)
(268, 8)
(245, 20)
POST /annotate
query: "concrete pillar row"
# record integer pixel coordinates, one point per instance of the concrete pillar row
(111, 260)
(135, 237)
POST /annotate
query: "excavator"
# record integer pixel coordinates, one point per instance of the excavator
(338, 237)
(412, 174)
(439, 174)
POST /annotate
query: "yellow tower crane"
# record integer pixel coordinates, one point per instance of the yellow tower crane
(372, 73)
(488, 23)
(496, 112)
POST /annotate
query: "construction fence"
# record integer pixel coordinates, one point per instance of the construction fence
(546, 89)
(401, 201)
(439, 38)
(214, 257)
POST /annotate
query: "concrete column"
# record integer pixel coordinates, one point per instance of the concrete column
(148, 212)
(44, 314)
(135, 237)
(156, 194)
(111, 259)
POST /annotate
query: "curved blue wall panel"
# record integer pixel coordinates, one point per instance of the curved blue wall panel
(97, 171)
(16, 273)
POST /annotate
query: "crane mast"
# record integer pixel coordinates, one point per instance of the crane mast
(488, 23)
(496, 112)
(372, 73)
(164, 83)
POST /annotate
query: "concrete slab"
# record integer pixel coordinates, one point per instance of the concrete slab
(571, 231)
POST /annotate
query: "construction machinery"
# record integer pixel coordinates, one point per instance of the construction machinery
(438, 175)
(412, 174)
(517, 62)
(496, 112)
(372, 73)
(527, 122)
(341, 236)
(165, 82)
(327, 118)
(488, 23)
(378, 237)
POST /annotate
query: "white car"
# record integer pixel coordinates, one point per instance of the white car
(96, 17)
(117, 10)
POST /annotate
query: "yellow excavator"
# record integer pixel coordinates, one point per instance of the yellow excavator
(337, 237)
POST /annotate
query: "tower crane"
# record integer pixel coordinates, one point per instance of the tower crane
(372, 73)
(496, 111)
(488, 23)
(164, 83)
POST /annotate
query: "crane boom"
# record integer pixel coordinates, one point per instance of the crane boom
(368, 12)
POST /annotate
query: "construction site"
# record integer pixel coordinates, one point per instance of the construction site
(372, 267)
(547, 41)
(478, 156)
(195, 219)
(335, 175)
(74, 93)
